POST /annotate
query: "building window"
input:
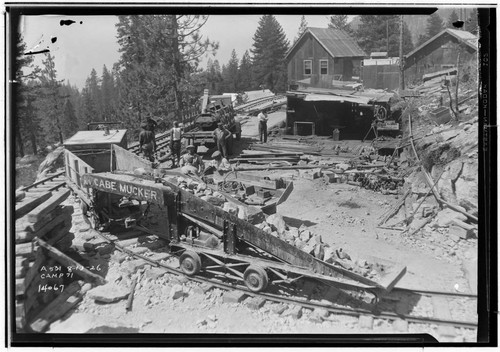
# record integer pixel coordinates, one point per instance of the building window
(308, 67)
(323, 67)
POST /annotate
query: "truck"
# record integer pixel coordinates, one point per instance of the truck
(214, 109)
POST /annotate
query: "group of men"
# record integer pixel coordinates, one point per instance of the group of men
(192, 163)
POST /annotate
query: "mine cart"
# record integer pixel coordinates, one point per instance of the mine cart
(211, 241)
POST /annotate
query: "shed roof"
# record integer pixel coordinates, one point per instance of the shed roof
(96, 137)
(467, 38)
(335, 41)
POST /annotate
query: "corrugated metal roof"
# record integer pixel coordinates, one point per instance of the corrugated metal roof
(336, 42)
(339, 98)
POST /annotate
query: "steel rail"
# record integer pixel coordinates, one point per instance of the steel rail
(297, 301)
(45, 180)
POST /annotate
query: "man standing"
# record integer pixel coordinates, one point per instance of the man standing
(147, 142)
(220, 135)
(191, 163)
(262, 126)
(175, 143)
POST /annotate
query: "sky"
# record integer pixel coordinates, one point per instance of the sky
(90, 42)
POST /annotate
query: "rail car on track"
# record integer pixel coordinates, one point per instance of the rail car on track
(207, 239)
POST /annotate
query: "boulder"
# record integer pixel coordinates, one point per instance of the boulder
(230, 208)
(315, 239)
(242, 212)
(329, 255)
(176, 292)
(447, 216)
(267, 229)
(277, 222)
(215, 200)
(293, 231)
(319, 251)
(108, 293)
(305, 235)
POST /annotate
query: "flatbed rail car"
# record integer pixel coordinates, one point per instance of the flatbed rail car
(210, 240)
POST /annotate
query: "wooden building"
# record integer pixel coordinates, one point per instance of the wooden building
(316, 111)
(321, 56)
(380, 72)
(440, 53)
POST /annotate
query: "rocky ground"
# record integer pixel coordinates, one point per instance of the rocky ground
(439, 257)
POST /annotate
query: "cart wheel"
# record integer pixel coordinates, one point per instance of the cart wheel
(190, 263)
(255, 278)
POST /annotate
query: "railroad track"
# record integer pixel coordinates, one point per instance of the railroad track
(253, 105)
(302, 297)
(386, 309)
(51, 183)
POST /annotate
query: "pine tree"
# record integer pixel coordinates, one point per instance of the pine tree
(340, 22)
(269, 49)
(69, 121)
(50, 103)
(302, 28)
(375, 32)
(158, 55)
(230, 74)
(434, 25)
(107, 95)
(452, 19)
(26, 123)
(245, 73)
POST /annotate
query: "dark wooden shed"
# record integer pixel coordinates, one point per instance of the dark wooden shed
(440, 53)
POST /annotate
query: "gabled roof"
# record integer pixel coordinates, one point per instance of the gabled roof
(335, 41)
(467, 38)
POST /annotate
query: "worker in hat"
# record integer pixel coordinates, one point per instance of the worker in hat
(175, 143)
(191, 163)
(219, 163)
(147, 142)
(220, 137)
(262, 117)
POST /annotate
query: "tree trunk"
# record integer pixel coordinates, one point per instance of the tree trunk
(33, 142)
(19, 140)
(176, 63)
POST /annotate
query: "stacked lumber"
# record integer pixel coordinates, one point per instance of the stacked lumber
(38, 215)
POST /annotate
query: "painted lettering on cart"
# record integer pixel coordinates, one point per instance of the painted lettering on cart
(122, 188)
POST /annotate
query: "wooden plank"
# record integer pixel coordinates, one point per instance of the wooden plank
(272, 159)
(25, 236)
(65, 260)
(20, 272)
(28, 204)
(57, 308)
(34, 269)
(46, 207)
(23, 224)
(26, 249)
(20, 316)
(58, 234)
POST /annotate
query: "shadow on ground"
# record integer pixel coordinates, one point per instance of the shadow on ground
(297, 222)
